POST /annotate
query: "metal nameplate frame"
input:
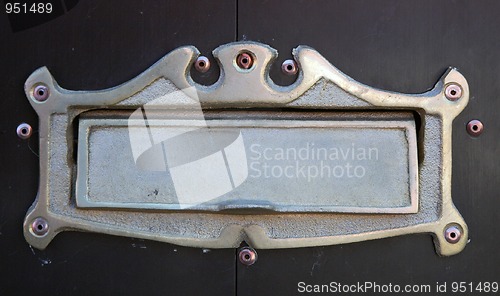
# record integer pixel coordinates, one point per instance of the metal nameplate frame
(243, 85)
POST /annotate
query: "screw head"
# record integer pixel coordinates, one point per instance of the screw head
(244, 60)
(247, 256)
(202, 64)
(39, 226)
(41, 93)
(475, 128)
(24, 131)
(453, 92)
(289, 67)
(452, 234)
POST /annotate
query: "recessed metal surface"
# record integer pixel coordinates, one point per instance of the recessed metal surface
(324, 162)
(319, 86)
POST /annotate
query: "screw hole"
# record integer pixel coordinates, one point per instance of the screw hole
(41, 92)
(289, 67)
(202, 64)
(245, 60)
(453, 92)
(39, 227)
(24, 131)
(247, 256)
(452, 234)
(475, 128)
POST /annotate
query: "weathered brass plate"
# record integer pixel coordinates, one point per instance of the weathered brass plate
(77, 182)
(324, 162)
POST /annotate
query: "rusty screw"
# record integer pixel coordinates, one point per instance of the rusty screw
(289, 67)
(244, 60)
(39, 226)
(24, 131)
(41, 92)
(475, 128)
(453, 92)
(247, 256)
(452, 234)
(202, 64)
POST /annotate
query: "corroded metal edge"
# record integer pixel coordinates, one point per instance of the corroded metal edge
(257, 91)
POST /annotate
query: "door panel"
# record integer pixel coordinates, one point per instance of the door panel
(96, 45)
(392, 45)
(405, 47)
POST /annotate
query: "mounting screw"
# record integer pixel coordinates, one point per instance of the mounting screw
(452, 234)
(244, 60)
(202, 64)
(475, 128)
(453, 92)
(24, 131)
(247, 256)
(40, 226)
(41, 92)
(289, 67)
